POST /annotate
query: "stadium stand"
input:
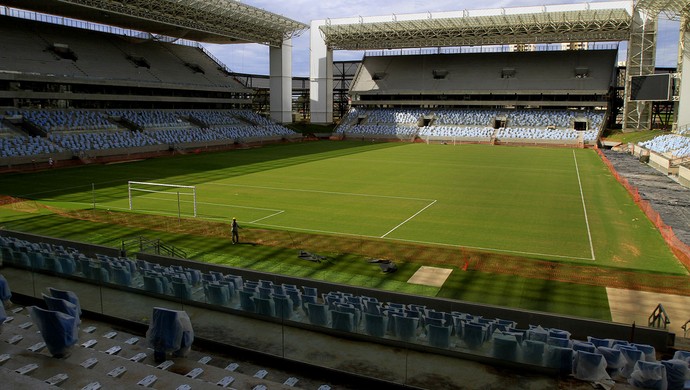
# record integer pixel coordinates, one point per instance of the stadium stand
(543, 73)
(556, 125)
(15, 146)
(368, 315)
(675, 145)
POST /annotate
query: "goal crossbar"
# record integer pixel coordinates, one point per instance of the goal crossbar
(131, 183)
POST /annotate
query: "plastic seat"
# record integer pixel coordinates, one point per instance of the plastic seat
(375, 325)
(676, 373)
(169, 331)
(247, 301)
(69, 296)
(283, 306)
(589, 366)
(599, 342)
(317, 313)
(5, 293)
(559, 358)
(584, 346)
(58, 330)
(405, 327)
(217, 294)
(533, 352)
(63, 306)
(153, 284)
(182, 290)
(631, 355)
(505, 347)
(648, 375)
(342, 321)
(614, 360)
(122, 276)
(264, 306)
(648, 350)
(474, 335)
(439, 335)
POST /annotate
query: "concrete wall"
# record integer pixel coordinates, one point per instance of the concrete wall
(684, 175)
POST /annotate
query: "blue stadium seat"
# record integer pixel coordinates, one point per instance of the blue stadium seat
(58, 330)
(375, 325)
(648, 375)
(439, 335)
(169, 331)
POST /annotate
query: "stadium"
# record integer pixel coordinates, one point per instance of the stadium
(489, 198)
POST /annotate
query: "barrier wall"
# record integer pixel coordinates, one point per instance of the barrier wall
(660, 163)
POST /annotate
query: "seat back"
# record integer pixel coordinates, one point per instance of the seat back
(58, 330)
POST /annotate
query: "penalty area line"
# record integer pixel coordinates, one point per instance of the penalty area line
(408, 219)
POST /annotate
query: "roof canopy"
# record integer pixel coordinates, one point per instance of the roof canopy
(672, 8)
(524, 25)
(215, 21)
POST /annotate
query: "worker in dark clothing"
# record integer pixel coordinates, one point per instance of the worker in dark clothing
(235, 230)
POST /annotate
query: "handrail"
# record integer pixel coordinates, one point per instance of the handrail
(659, 317)
(156, 246)
(686, 328)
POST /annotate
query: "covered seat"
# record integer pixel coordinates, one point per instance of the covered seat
(63, 306)
(317, 313)
(375, 325)
(169, 331)
(5, 293)
(182, 290)
(631, 355)
(677, 373)
(505, 347)
(648, 375)
(591, 367)
(264, 306)
(560, 358)
(405, 327)
(343, 321)
(69, 296)
(58, 330)
(439, 335)
(283, 306)
(217, 294)
(533, 352)
(247, 301)
(614, 360)
(473, 335)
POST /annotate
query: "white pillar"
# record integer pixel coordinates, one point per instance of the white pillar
(320, 76)
(683, 106)
(280, 59)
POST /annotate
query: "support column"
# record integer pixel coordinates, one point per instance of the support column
(281, 82)
(641, 62)
(320, 76)
(682, 108)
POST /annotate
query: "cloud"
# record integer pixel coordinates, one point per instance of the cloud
(255, 59)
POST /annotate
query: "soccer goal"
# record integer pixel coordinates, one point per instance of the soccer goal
(162, 198)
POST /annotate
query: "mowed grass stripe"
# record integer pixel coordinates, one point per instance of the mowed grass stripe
(510, 199)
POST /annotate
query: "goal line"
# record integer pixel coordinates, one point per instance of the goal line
(161, 188)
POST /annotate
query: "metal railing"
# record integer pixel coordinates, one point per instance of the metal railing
(659, 318)
(155, 246)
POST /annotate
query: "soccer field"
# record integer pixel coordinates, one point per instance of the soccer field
(556, 204)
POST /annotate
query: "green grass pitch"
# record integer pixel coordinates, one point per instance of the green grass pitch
(543, 203)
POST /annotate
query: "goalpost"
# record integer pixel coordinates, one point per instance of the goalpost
(164, 193)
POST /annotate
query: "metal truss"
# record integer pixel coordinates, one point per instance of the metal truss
(642, 52)
(546, 27)
(672, 9)
(226, 18)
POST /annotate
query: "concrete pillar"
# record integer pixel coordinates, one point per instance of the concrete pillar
(281, 82)
(320, 76)
(683, 105)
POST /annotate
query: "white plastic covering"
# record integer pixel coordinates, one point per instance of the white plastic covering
(649, 375)
(170, 331)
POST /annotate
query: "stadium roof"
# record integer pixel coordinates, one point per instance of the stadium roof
(214, 21)
(672, 8)
(609, 21)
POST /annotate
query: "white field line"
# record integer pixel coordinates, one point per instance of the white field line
(424, 242)
(316, 191)
(584, 207)
(268, 216)
(408, 219)
(369, 236)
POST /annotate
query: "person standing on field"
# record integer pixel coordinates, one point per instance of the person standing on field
(235, 230)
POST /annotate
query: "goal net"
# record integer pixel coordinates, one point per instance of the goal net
(162, 198)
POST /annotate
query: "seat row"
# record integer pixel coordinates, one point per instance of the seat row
(345, 312)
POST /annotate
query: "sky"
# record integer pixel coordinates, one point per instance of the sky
(253, 58)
